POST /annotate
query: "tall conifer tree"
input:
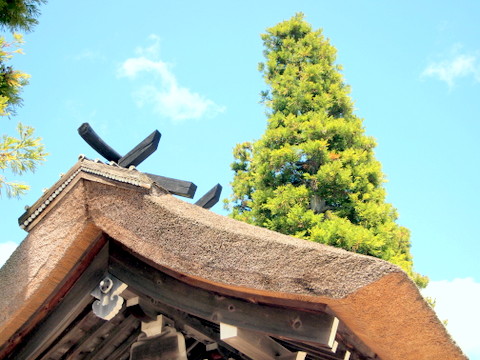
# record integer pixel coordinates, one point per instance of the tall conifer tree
(313, 174)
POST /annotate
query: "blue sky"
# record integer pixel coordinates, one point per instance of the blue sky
(189, 69)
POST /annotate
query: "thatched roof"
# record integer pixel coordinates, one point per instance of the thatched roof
(373, 298)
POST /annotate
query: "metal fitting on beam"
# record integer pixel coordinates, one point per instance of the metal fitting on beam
(109, 300)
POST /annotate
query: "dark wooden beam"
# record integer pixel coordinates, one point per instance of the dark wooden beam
(115, 337)
(201, 330)
(169, 345)
(319, 328)
(349, 341)
(210, 198)
(256, 345)
(71, 335)
(311, 349)
(140, 312)
(96, 326)
(96, 142)
(125, 347)
(93, 336)
(134, 157)
(141, 151)
(174, 186)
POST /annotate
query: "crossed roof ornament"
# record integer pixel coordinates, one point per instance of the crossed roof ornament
(141, 152)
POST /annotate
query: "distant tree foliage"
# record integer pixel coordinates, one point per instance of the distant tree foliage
(11, 81)
(313, 173)
(19, 14)
(24, 152)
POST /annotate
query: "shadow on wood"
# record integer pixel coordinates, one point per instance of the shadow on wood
(96, 142)
(134, 157)
(210, 198)
(174, 186)
(141, 151)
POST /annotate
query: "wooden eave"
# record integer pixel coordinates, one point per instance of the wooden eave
(70, 330)
(381, 312)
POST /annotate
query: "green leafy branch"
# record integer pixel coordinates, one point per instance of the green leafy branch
(11, 81)
(19, 154)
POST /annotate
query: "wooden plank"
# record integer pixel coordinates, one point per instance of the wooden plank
(338, 352)
(210, 198)
(141, 313)
(141, 151)
(333, 333)
(84, 344)
(256, 345)
(75, 301)
(351, 343)
(169, 345)
(287, 323)
(189, 325)
(156, 327)
(125, 347)
(177, 187)
(341, 351)
(299, 355)
(80, 341)
(71, 335)
(115, 337)
(96, 142)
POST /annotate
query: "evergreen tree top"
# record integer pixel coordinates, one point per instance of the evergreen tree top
(313, 173)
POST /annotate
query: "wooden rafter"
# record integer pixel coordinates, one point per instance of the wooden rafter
(319, 328)
(70, 331)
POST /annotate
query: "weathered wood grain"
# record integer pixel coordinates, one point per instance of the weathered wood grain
(141, 151)
(208, 200)
(174, 186)
(96, 142)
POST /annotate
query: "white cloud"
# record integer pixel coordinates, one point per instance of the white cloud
(450, 70)
(89, 55)
(457, 301)
(6, 249)
(153, 51)
(161, 89)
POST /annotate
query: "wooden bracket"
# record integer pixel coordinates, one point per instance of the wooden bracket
(286, 323)
(109, 300)
(256, 345)
(169, 345)
(340, 351)
(141, 312)
(156, 327)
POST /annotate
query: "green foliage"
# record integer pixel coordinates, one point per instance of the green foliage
(17, 154)
(313, 174)
(11, 81)
(19, 14)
